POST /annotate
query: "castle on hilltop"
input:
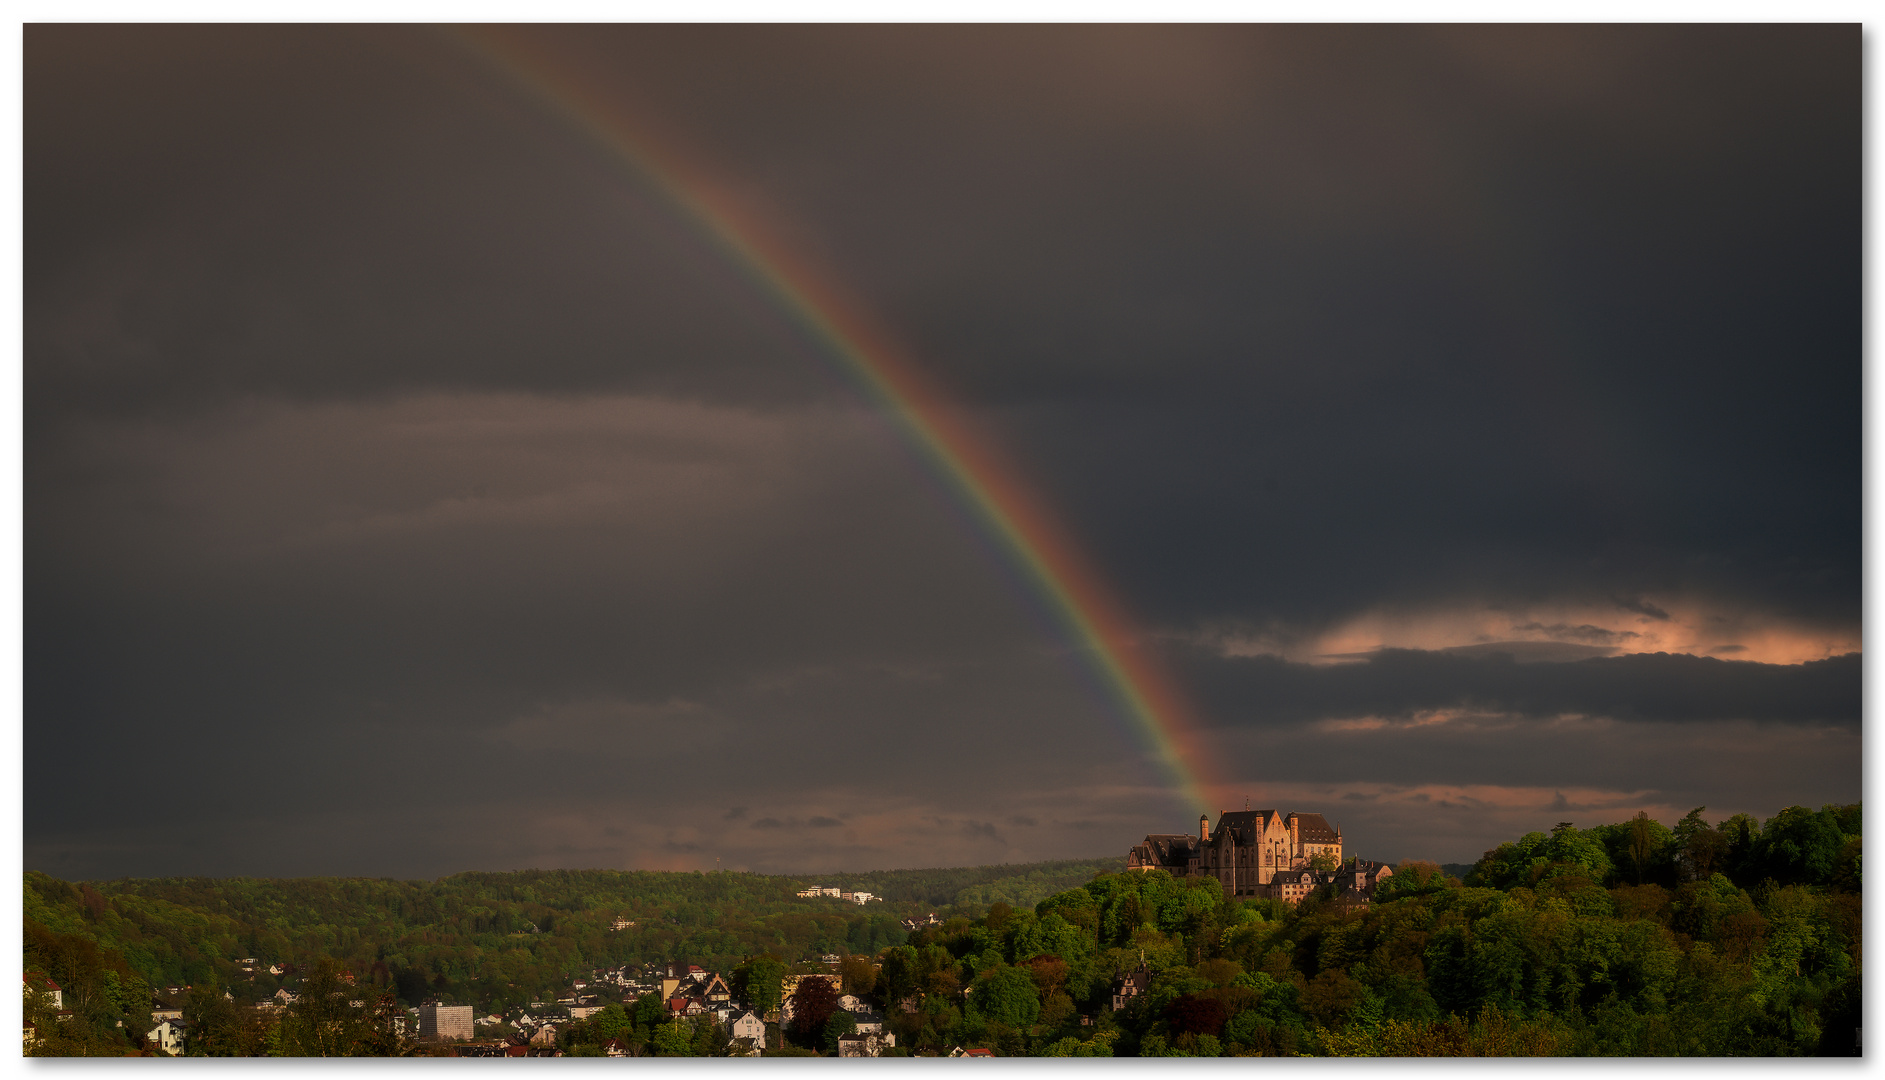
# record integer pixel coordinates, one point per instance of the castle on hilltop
(1258, 853)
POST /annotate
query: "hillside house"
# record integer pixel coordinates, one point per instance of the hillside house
(862, 1045)
(749, 1026)
(167, 1036)
(1130, 985)
(34, 982)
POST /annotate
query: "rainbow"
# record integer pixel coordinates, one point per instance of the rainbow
(1088, 614)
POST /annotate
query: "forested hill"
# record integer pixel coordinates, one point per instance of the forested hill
(1737, 938)
(493, 936)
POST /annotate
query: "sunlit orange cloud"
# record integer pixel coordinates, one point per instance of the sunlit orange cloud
(1673, 625)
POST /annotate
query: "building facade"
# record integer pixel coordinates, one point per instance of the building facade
(1255, 853)
(444, 1022)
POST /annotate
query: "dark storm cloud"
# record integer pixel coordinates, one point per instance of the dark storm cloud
(1644, 608)
(1495, 308)
(318, 211)
(1596, 635)
(1401, 683)
(389, 444)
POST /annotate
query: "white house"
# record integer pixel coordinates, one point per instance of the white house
(750, 1026)
(168, 1035)
(864, 1045)
(34, 982)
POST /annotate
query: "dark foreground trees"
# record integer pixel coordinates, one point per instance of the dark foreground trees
(1730, 939)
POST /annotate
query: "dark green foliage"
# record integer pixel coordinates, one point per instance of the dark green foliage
(1731, 939)
(1006, 995)
(756, 982)
(498, 940)
(839, 1025)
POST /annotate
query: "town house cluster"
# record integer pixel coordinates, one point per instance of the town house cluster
(859, 898)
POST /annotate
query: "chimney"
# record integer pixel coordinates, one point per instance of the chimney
(1204, 828)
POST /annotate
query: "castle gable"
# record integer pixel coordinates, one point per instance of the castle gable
(1250, 826)
(1171, 851)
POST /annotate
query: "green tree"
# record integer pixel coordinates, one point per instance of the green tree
(611, 1022)
(328, 1019)
(756, 982)
(1006, 995)
(900, 976)
(1798, 845)
(842, 1023)
(215, 1024)
(859, 975)
(650, 1011)
(1700, 849)
(1642, 843)
(674, 1039)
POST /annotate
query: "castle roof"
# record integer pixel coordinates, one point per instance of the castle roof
(1246, 824)
(1314, 829)
(1170, 848)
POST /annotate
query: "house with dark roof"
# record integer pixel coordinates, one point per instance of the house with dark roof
(1176, 852)
(1130, 985)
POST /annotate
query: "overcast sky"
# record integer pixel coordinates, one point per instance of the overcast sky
(1469, 418)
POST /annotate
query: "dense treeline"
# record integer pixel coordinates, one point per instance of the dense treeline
(1734, 939)
(1630, 939)
(489, 939)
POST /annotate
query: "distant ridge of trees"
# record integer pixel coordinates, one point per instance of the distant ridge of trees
(497, 939)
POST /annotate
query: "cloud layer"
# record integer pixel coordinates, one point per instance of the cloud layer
(1469, 416)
